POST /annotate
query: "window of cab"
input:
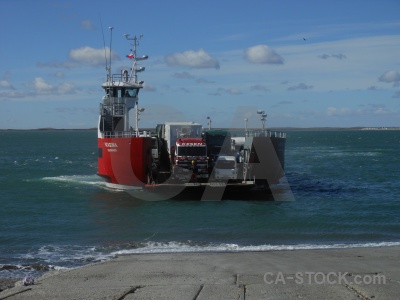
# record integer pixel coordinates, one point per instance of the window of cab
(129, 92)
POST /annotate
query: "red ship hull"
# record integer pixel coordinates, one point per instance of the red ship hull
(125, 161)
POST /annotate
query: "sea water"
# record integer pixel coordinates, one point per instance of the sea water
(57, 213)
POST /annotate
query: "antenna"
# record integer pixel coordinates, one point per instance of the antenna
(104, 46)
(109, 70)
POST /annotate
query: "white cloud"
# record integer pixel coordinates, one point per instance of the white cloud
(203, 80)
(190, 58)
(6, 84)
(360, 69)
(375, 109)
(333, 111)
(87, 25)
(380, 111)
(233, 91)
(12, 94)
(183, 75)
(396, 95)
(42, 86)
(66, 88)
(148, 87)
(300, 86)
(262, 54)
(59, 75)
(337, 56)
(230, 91)
(390, 77)
(185, 90)
(90, 56)
(259, 87)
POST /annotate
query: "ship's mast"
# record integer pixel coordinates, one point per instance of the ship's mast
(263, 118)
(109, 67)
(136, 70)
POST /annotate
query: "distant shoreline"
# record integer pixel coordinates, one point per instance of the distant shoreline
(233, 129)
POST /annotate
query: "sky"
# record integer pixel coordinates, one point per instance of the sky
(305, 63)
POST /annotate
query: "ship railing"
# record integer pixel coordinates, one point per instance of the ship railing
(121, 77)
(266, 133)
(116, 108)
(125, 134)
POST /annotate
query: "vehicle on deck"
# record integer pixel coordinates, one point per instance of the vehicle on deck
(226, 168)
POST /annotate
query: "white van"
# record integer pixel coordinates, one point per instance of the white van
(226, 168)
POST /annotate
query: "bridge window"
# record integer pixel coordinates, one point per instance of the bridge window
(130, 92)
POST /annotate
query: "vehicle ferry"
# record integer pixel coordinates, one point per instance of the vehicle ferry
(180, 159)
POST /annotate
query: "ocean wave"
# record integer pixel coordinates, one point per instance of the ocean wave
(23, 270)
(179, 247)
(66, 256)
(52, 258)
(44, 161)
(92, 180)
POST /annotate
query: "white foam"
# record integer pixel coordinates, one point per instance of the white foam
(60, 256)
(121, 188)
(67, 257)
(78, 179)
(177, 247)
